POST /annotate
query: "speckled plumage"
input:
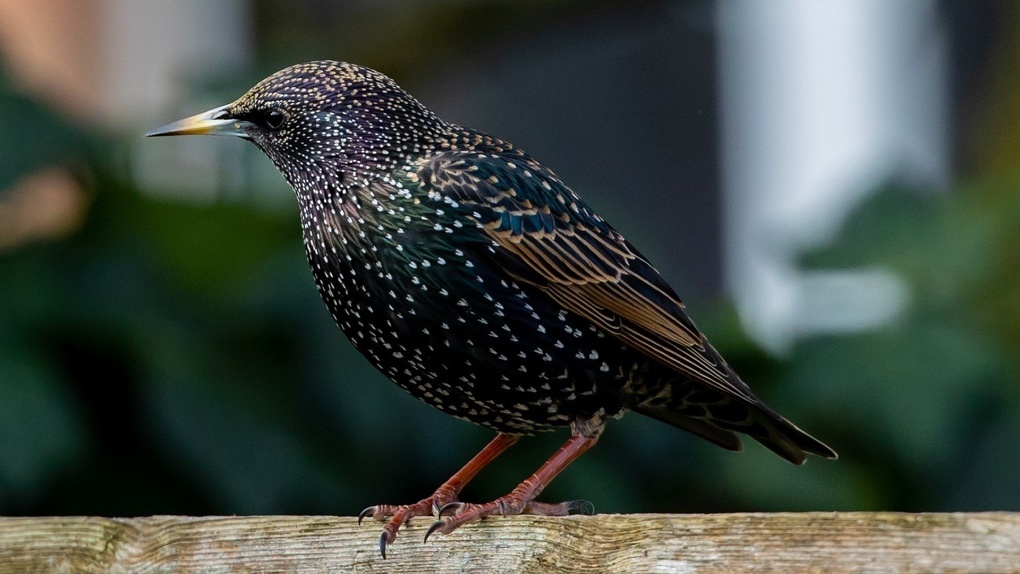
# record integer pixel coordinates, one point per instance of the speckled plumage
(475, 279)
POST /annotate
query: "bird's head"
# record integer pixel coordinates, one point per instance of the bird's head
(323, 121)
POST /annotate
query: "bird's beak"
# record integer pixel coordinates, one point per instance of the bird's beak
(215, 122)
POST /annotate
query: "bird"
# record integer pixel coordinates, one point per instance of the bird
(473, 277)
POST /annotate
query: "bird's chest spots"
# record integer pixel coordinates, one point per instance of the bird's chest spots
(473, 343)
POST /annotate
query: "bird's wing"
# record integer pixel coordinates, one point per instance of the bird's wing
(544, 234)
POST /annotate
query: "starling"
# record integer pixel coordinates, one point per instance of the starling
(476, 280)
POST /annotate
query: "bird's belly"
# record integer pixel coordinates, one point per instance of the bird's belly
(494, 356)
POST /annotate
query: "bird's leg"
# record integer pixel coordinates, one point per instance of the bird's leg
(444, 495)
(522, 499)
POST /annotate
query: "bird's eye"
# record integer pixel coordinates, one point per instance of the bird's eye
(274, 119)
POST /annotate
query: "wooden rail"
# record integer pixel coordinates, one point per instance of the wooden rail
(803, 542)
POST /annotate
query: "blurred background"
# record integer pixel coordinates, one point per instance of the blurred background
(834, 187)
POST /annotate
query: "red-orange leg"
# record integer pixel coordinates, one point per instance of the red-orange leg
(522, 499)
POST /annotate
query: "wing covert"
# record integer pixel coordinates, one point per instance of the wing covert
(544, 234)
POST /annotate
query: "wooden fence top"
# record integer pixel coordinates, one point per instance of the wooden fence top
(785, 542)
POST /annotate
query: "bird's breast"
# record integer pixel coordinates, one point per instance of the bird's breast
(459, 335)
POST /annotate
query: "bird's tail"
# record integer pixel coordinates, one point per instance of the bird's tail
(785, 438)
(717, 417)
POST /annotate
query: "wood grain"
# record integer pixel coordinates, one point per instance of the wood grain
(802, 542)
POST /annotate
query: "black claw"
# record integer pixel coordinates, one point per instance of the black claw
(364, 513)
(580, 507)
(382, 545)
(448, 507)
(435, 526)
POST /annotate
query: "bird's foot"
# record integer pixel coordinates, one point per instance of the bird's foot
(443, 496)
(522, 499)
(399, 515)
(456, 514)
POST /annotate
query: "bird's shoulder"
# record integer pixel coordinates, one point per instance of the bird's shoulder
(476, 168)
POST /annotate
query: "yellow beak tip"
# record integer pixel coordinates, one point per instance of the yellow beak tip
(211, 122)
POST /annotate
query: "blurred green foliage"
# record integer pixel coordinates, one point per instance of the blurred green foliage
(175, 358)
(938, 390)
